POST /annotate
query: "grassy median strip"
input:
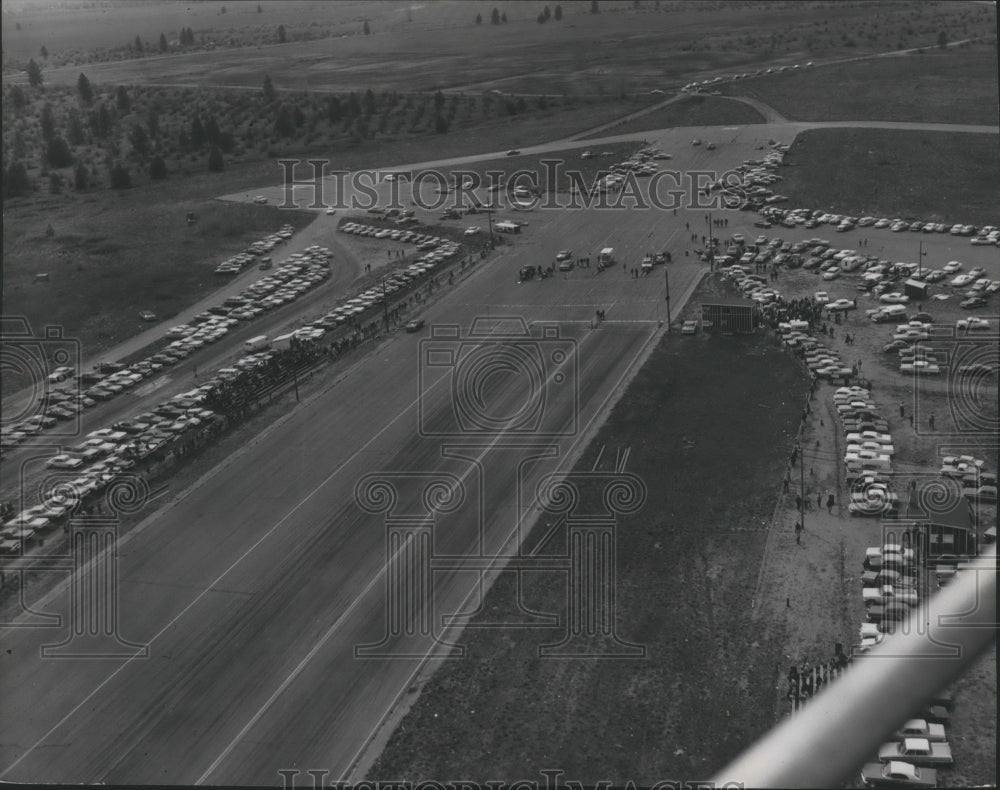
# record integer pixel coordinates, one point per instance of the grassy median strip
(708, 422)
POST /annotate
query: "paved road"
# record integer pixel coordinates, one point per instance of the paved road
(253, 588)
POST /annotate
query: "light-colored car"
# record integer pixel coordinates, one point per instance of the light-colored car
(972, 323)
(920, 728)
(880, 595)
(821, 297)
(952, 267)
(64, 462)
(832, 273)
(877, 447)
(472, 231)
(894, 297)
(896, 773)
(867, 456)
(689, 328)
(918, 751)
(923, 366)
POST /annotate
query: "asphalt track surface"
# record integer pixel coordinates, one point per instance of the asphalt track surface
(253, 589)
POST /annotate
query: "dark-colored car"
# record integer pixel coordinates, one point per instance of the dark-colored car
(896, 773)
(973, 302)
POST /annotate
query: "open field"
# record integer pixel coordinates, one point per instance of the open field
(96, 289)
(709, 435)
(106, 265)
(954, 85)
(933, 176)
(689, 111)
(622, 49)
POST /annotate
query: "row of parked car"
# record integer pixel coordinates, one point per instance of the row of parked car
(296, 275)
(256, 252)
(299, 273)
(890, 590)
(810, 218)
(92, 466)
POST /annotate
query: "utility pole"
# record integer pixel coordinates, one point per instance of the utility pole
(489, 218)
(385, 305)
(666, 277)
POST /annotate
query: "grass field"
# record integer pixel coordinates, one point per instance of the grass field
(114, 254)
(688, 111)
(933, 176)
(622, 49)
(954, 85)
(687, 565)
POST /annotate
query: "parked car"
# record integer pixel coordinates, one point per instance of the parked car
(689, 328)
(415, 325)
(896, 773)
(920, 728)
(972, 323)
(918, 751)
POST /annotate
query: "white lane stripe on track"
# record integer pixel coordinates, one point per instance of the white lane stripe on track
(583, 434)
(337, 624)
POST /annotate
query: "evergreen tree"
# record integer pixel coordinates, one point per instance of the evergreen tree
(212, 132)
(558, 13)
(163, 43)
(215, 161)
(16, 183)
(48, 123)
(57, 153)
(333, 109)
(123, 101)
(120, 176)
(268, 88)
(138, 45)
(157, 168)
(17, 98)
(85, 90)
(139, 139)
(479, 19)
(197, 133)
(81, 178)
(367, 29)
(281, 34)
(74, 128)
(35, 78)
(495, 16)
